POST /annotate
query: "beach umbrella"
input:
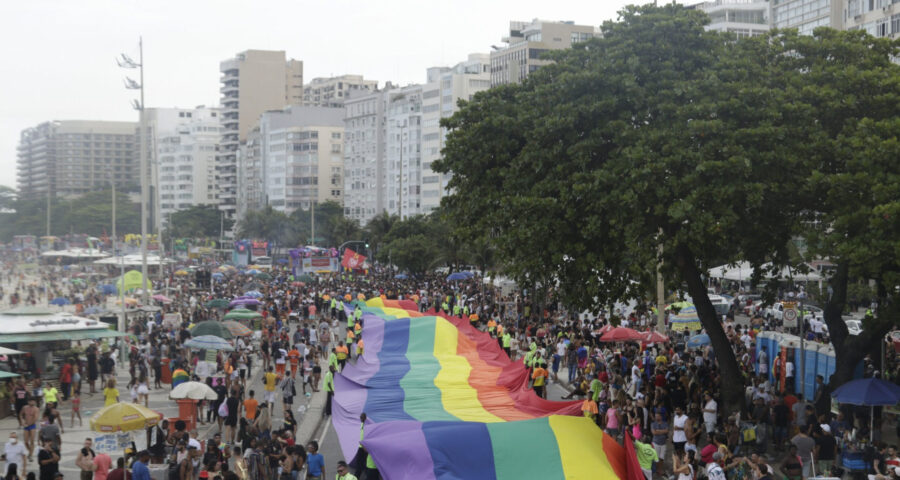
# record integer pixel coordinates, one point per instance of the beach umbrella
(263, 276)
(401, 276)
(237, 329)
(60, 301)
(92, 310)
(253, 294)
(209, 342)
(124, 417)
(179, 376)
(77, 281)
(217, 303)
(306, 278)
(654, 337)
(282, 261)
(181, 273)
(686, 319)
(621, 334)
(252, 286)
(252, 271)
(218, 275)
(108, 289)
(161, 298)
(210, 327)
(244, 301)
(193, 391)
(698, 341)
(455, 276)
(241, 314)
(871, 392)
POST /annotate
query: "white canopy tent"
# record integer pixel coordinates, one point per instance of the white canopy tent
(742, 271)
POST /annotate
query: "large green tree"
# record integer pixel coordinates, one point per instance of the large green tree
(198, 221)
(660, 133)
(90, 214)
(853, 187)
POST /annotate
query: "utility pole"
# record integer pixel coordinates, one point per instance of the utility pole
(127, 62)
(121, 324)
(312, 221)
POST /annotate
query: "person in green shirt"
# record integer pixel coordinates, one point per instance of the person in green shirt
(596, 387)
(507, 342)
(329, 388)
(456, 310)
(343, 472)
(646, 456)
(332, 359)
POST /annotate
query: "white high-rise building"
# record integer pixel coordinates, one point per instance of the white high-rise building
(294, 158)
(184, 143)
(879, 18)
(365, 131)
(743, 18)
(402, 181)
(806, 15)
(440, 97)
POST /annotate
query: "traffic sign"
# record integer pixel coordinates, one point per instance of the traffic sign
(789, 319)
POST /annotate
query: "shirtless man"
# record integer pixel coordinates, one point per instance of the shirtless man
(29, 418)
(85, 460)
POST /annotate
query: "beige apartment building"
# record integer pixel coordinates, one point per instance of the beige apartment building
(252, 82)
(527, 41)
(74, 157)
(332, 91)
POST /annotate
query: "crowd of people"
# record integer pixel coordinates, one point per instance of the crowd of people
(665, 396)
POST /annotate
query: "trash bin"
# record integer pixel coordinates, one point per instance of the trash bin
(187, 411)
(166, 372)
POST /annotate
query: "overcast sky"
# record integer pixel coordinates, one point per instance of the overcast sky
(58, 61)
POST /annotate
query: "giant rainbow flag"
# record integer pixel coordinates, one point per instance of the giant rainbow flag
(445, 402)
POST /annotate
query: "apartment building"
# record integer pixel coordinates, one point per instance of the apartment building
(184, 142)
(807, 15)
(527, 41)
(879, 18)
(74, 157)
(252, 82)
(743, 18)
(294, 158)
(332, 91)
(444, 89)
(365, 132)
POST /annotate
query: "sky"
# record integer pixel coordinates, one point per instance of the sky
(59, 55)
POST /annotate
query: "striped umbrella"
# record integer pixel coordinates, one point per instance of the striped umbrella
(237, 329)
(209, 342)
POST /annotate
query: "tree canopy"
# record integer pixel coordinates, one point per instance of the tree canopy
(658, 134)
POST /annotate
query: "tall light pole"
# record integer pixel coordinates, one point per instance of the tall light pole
(126, 62)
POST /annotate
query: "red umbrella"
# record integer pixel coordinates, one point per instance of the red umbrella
(621, 334)
(654, 337)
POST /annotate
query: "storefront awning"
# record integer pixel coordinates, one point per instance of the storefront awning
(89, 334)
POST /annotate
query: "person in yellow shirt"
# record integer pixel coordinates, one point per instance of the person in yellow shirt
(342, 353)
(110, 393)
(589, 409)
(270, 379)
(360, 347)
(539, 375)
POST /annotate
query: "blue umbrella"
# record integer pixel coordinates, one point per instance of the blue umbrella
(218, 275)
(401, 276)
(209, 342)
(698, 341)
(60, 301)
(459, 276)
(282, 260)
(92, 310)
(868, 391)
(253, 271)
(108, 289)
(253, 294)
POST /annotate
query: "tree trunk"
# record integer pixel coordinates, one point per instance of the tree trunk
(732, 381)
(849, 350)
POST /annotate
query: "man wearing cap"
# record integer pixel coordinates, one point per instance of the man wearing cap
(826, 450)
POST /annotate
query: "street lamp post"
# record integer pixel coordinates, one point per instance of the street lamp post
(127, 62)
